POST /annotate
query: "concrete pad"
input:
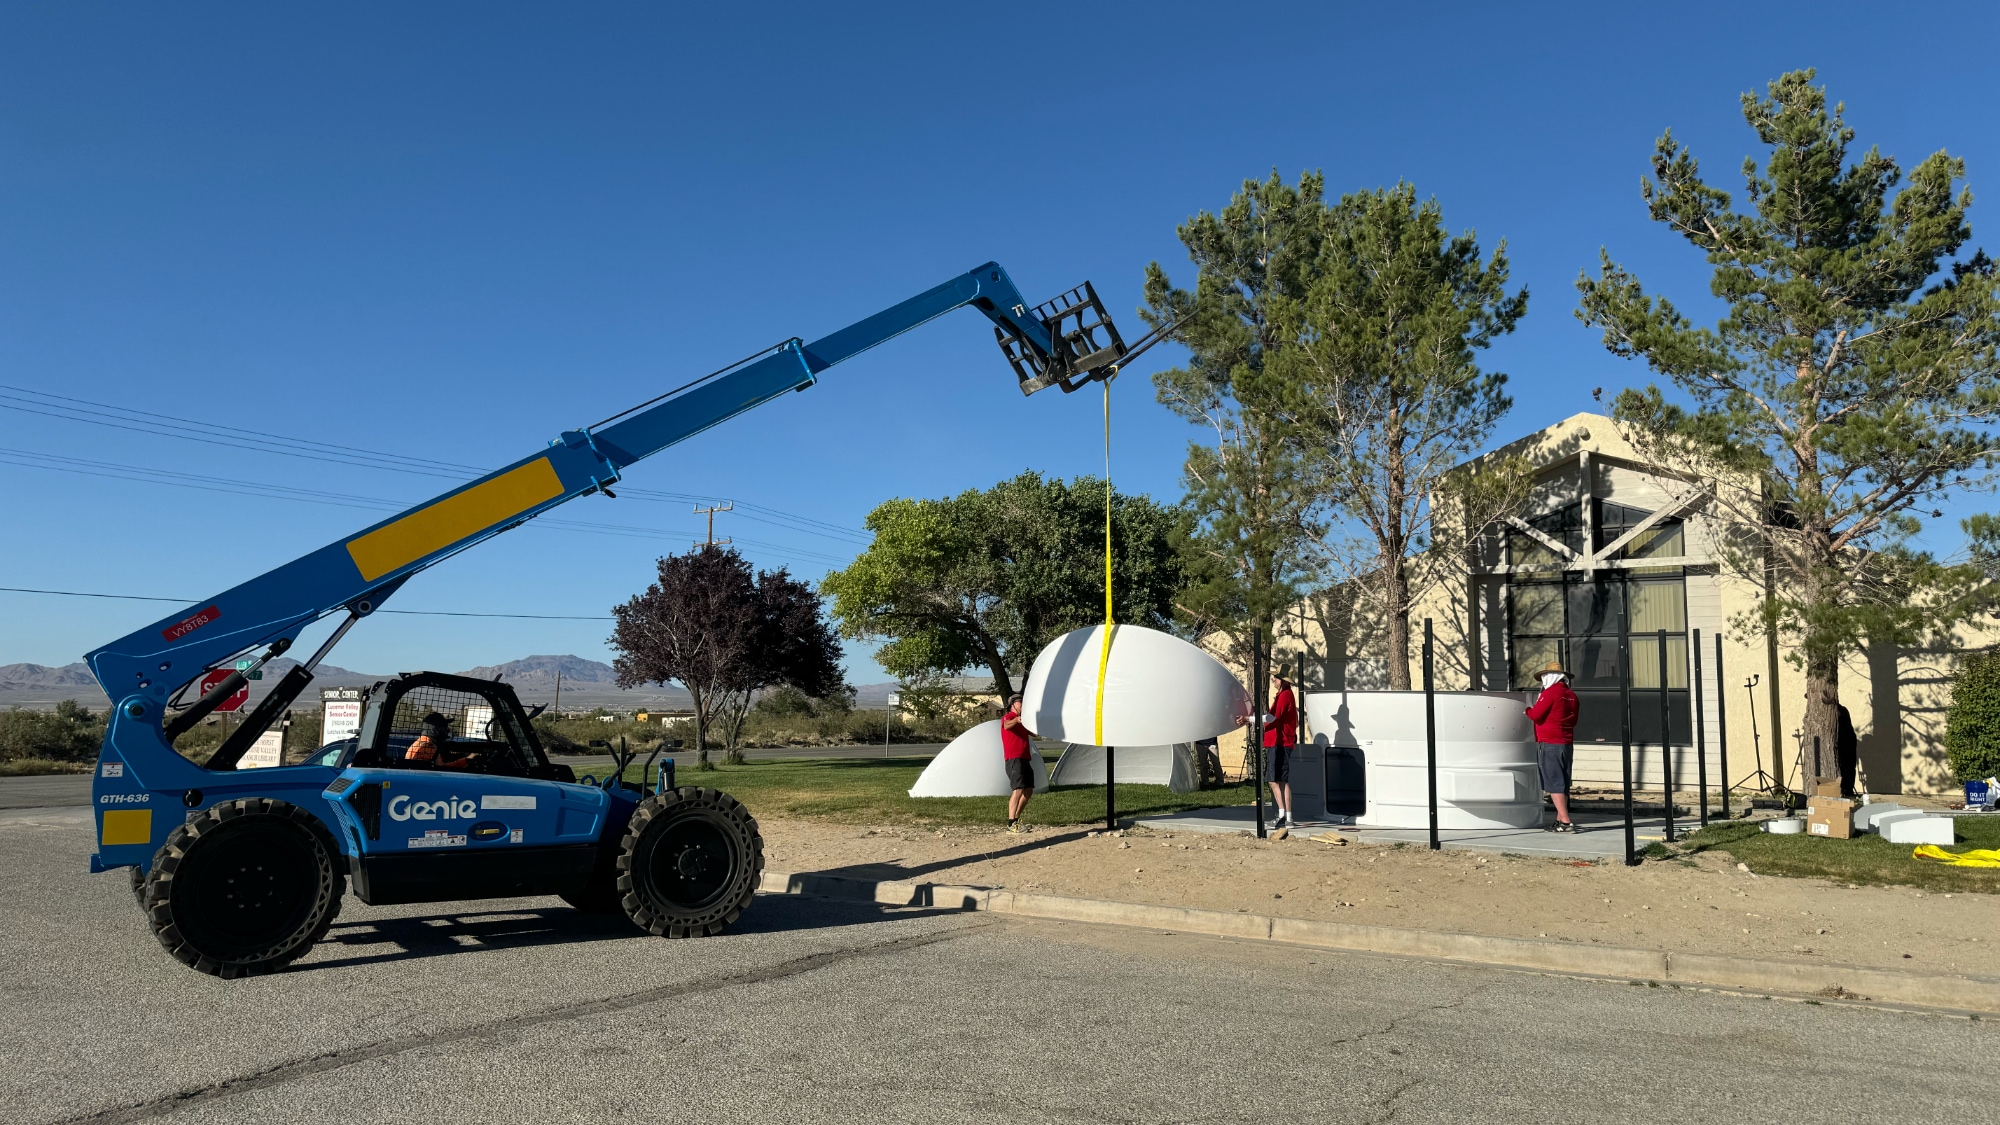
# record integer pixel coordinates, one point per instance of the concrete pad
(1596, 838)
(1919, 830)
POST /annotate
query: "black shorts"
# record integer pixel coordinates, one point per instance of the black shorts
(1021, 774)
(1558, 763)
(1278, 764)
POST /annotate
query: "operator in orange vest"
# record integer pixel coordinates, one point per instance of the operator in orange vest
(1554, 716)
(433, 747)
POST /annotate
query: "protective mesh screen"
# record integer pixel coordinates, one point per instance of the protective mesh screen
(469, 715)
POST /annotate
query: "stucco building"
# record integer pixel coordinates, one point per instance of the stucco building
(1610, 548)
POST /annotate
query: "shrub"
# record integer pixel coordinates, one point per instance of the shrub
(1972, 722)
(70, 733)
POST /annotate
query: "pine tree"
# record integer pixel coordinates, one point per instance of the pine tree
(1849, 386)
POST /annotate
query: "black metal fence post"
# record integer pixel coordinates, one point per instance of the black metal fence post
(1257, 724)
(1625, 721)
(1666, 737)
(1431, 734)
(1700, 727)
(1110, 783)
(1722, 725)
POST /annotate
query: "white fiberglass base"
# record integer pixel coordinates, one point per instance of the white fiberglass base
(1487, 775)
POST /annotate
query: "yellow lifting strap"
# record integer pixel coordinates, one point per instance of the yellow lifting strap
(1104, 645)
(1978, 857)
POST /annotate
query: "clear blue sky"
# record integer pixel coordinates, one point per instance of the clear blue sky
(452, 230)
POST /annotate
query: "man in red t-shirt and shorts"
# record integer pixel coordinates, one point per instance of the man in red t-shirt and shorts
(1554, 715)
(1016, 744)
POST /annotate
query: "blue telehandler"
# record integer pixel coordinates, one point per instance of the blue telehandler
(446, 793)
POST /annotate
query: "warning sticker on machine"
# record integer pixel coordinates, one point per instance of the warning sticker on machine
(112, 769)
(437, 838)
(515, 836)
(499, 801)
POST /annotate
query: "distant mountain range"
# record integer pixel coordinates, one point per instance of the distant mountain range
(585, 684)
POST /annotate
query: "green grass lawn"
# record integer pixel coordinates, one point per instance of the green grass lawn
(1864, 859)
(876, 791)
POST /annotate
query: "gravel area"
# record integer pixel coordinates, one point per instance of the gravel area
(1703, 904)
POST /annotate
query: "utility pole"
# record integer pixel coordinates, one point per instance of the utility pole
(710, 513)
(557, 708)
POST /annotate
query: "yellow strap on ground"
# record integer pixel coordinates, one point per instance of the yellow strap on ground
(1978, 857)
(1104, 645)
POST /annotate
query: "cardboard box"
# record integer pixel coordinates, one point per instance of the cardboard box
(1831, 817)
(1824, 787)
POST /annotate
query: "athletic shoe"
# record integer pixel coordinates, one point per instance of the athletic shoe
(1564, 826)
(1013, 828)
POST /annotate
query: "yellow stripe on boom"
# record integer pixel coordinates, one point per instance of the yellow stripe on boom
(453, 518)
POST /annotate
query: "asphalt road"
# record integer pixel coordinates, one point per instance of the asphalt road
(57, 790)
(837, 1012)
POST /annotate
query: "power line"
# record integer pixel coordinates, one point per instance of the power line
(145, 474)
(49, 405)
(404, 612)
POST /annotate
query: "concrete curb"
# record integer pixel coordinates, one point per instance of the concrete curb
(1929, 990)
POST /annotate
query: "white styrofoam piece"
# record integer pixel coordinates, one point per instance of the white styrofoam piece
(1785, 826)
(1865, 816)
(1919, 830)
(1171, 765)
(1881, 823)
(1158, 689)
(971, 765)
(1488, 776)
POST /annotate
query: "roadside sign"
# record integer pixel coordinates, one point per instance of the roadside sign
(211, 678)
(244, 667)
(340, 715)
(895, 700)
(267, 751)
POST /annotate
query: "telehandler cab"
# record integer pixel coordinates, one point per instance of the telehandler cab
(240, 871)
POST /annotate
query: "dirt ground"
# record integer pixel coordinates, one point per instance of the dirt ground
(1700, 904)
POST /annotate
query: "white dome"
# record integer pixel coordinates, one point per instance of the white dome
(1158, 689)
(972, 766)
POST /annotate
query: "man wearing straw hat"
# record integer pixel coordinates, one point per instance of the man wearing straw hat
(1554, 715)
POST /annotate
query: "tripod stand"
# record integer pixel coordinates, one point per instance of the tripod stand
(1765, 782)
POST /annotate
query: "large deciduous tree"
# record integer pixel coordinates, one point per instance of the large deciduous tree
(724, 634)
(1849, 385)
(1378, 372)
(987, 578)
(1245, 480)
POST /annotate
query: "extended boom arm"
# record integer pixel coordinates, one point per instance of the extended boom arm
(1066, 342)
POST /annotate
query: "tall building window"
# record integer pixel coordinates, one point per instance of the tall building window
(1559, 615)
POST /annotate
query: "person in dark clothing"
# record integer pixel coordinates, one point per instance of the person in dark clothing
(1554, 715)
(1846, 751)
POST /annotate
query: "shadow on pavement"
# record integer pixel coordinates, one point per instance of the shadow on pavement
(892, 871)
(459, 932)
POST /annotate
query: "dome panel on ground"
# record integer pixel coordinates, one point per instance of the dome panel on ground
(971, 766)
(1158, 690)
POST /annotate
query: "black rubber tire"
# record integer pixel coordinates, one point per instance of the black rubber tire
(138, 885)
(690, 862)
(271, 858)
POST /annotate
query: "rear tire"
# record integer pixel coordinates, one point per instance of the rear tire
(690, 862)
(244, 888)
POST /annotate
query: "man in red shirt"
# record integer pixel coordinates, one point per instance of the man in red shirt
(1281, 733)
(1016, 743)
(1554, 715)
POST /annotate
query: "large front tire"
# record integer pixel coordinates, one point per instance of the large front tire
(690, 862)
(245, 887)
